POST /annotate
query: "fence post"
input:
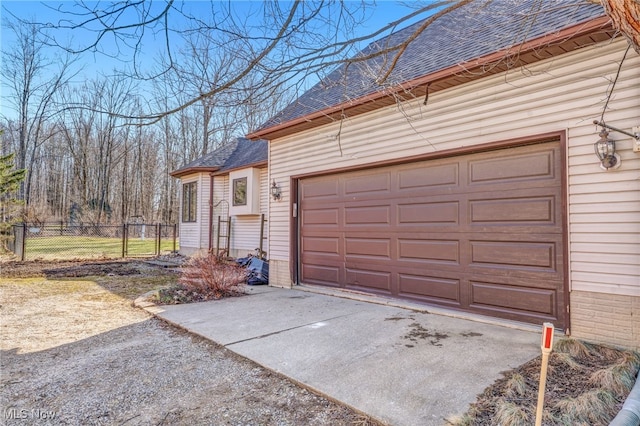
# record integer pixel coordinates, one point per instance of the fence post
(158, 238)
(124, 239)
(24, 241)
(175, 231)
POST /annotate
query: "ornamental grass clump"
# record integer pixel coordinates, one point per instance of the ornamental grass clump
(211, 277)
(587, 384)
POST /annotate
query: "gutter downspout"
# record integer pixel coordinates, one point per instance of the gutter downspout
(629, 415)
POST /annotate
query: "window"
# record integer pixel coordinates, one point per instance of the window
(244, 192)
(240, 191)
(189, 201)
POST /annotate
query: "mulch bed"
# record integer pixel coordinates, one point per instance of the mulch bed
(587, 384)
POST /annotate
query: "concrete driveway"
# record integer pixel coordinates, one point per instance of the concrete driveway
(401, 364)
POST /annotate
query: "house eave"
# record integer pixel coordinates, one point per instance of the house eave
(178, 174)
(566, 40)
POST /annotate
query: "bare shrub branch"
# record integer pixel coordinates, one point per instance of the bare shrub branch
(212, 277)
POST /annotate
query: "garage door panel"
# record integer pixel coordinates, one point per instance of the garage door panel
(527, 301)
(509, 254)
(514, 168)
(513, 232)
(432, 289)
(429, 251)
(432, 232)
(320, 188)
(429, 176)
(521, 234)
(368, 215)
(322, 274)
(316, 217)
(329, 259)
(481, 232)
(515, 279)
(367, 185)
(429, 213)
(522, 193)
(325, 245)
(368, 279)
(368, 247)
(513, 211)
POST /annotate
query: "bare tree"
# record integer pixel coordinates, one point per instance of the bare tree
(33, 80)
(170, 160)
(96, 141)
(279, 41)
(202, 65)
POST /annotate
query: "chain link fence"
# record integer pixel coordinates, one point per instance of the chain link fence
(80, 241)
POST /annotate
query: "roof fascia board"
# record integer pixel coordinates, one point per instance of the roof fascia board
(191, 170)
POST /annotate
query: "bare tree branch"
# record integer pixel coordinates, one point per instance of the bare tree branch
(625, 15)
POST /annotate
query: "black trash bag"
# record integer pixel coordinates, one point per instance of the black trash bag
(258, 272)
(244, 261)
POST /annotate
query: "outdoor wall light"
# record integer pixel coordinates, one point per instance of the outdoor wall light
(275, 191)
(605, 149)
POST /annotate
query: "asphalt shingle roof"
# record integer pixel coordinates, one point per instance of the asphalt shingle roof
(470, 32)
(235, 154)
(246, 153)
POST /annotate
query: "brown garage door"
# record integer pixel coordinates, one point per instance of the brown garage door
(477, 232)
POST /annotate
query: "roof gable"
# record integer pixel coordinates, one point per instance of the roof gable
(454, 41)
(235, 154)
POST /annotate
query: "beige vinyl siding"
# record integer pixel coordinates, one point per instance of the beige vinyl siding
(561, 94)
(204, 195)
(221, 195)
(245, 230)
(604, 206)
(193, 235)
(279, 211)
(265, 196)
(220, 208)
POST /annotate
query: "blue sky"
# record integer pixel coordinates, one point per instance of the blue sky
(383, 13)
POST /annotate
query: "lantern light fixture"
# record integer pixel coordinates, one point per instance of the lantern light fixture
(276, 194)
(605, 149)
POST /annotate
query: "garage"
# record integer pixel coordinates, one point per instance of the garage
(479, 232)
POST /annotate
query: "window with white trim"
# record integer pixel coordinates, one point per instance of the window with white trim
(189, 201)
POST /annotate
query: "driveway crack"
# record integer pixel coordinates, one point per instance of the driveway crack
(273, 333)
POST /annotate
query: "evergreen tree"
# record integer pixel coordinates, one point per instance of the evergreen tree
(9, 205)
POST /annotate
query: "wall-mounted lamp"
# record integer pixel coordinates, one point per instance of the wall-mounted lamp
(605, 149)
(275, 191)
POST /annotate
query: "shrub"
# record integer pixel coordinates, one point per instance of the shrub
(212, 277)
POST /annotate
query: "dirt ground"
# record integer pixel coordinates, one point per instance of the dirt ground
(73, 345)
(75, 351)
